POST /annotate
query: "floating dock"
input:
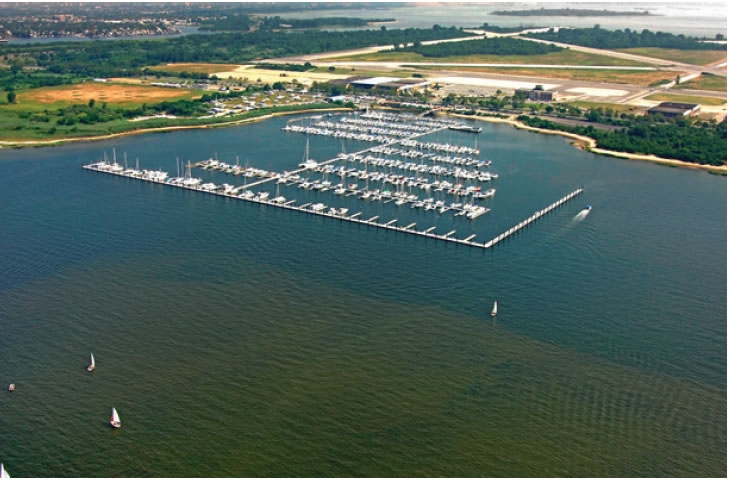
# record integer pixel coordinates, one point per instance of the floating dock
(372, 221)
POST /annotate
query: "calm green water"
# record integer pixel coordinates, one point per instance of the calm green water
(238, 340)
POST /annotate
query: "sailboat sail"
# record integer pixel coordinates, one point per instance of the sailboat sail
(3, 473)
(115, 419)
(92, 360)
(494, 309)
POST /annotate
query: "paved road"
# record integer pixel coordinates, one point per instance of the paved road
(398, 65)
(665, 64)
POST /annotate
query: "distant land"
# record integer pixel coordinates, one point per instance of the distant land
(569, 12)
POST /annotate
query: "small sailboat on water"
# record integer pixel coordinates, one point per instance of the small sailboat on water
(114, 421)
(11, 387)
(494, 309)
(92, 366)
(3, 473)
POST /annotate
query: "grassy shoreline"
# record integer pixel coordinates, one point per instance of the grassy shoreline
(17, 144)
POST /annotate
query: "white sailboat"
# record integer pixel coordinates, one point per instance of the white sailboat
(494, 309)
(3, 473)
(92, 365)
(114, 421)
(308, 163)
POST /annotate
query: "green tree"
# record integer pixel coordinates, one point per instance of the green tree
(11, 97)
(92, 102)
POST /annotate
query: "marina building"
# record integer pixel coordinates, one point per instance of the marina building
(673, 109)
(536, 94)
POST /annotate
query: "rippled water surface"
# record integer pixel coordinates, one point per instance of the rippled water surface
(239, 340)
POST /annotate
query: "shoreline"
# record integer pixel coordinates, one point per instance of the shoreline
(589, 145)
(7, 144)
(581, 142)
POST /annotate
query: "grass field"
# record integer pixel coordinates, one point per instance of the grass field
(705, 82)
(563, 57)
(703, 100)
(679, 55)
(16, 128)
(112, 93)
(600, 75)
(33, 115)
(195, 67)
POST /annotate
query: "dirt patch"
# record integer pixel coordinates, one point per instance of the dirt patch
(112, 93)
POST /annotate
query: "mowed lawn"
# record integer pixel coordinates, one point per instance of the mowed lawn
(564, 57)
(702, 100)
(679, 55)
(195, 67)
(618, 76)
(705, 82)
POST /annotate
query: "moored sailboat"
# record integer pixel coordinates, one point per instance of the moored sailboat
(91, 366)
(114, 421)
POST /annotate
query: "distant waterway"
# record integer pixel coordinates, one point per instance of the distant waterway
(689, 18)
(241, 340)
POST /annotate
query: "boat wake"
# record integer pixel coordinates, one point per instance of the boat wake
(582, 214)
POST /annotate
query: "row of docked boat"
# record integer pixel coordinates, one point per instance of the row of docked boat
(411, 182)
(410, 119)
(399, 198)
(415, 154)
(367, 124)
(370, 130)
(157, 176)
(435, 146)
(383, 139)
(434, 169)
(236, 169)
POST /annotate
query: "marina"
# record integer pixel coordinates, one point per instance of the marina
(410, 180)
(453, 183)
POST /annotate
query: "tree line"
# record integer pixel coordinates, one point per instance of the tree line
(126, 57)
(620, 39)
(679, 139)
(493, 45)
